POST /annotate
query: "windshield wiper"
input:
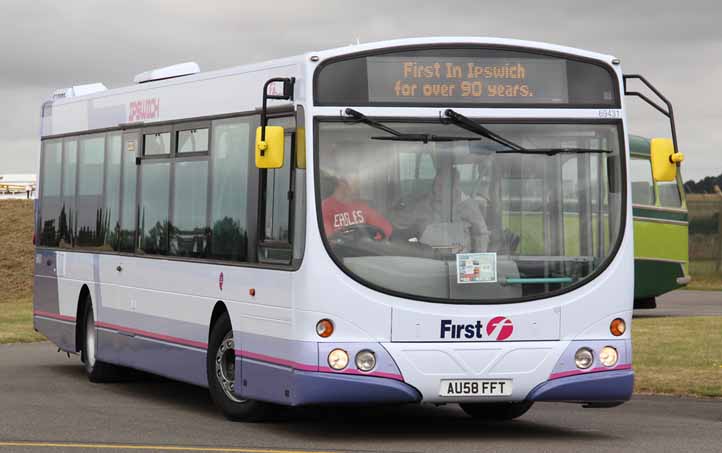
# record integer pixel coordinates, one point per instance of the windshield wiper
(472, 126)
(554, 151)
(400, 136)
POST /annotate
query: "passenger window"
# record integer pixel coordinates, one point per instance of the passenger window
(669, 196)
(642, 183)
(154, 199)
(229, 157)
(91, 225)
(50, 201)
(189, 226)
(192, 141)
(128, 196)
(111, 212)
(68, 214)
(156, 144)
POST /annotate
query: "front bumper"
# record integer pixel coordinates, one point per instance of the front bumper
(605, 386)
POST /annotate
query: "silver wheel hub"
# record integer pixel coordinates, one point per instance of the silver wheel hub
(226, 367)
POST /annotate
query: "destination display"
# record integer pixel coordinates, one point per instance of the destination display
(459, 79)
(466, 76)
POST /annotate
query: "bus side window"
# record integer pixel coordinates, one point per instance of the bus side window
(669, 196)
(642, 184)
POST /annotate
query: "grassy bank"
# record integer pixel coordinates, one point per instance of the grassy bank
(16, 272)
(678, 356)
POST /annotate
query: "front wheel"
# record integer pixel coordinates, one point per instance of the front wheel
(221, 368)
(496, 411)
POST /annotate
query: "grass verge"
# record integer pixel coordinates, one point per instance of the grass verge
(16, 322)
(678, 356)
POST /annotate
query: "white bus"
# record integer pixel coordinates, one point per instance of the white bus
(441, 220)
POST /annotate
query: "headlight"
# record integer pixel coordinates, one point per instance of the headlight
(584, 358)
(338, 359)
(365, 360)
(608, 356)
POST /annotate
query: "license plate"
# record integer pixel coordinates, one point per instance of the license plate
(475, 387)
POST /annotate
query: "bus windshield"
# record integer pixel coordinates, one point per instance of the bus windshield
(470, 219)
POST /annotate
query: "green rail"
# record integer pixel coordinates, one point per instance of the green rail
(539, 280)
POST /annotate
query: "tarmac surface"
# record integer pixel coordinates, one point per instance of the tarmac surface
(685, 303)
(47, 404)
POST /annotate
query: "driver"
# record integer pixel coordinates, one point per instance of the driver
(343, 208)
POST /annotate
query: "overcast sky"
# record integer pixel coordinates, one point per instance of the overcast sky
(45, 45)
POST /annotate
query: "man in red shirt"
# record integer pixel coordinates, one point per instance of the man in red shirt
(343, 209)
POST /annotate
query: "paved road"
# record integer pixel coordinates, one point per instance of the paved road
(686, 303)
(46, 400)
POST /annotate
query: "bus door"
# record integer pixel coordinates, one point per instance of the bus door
(277, 190)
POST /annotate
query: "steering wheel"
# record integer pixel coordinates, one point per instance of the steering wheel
(357, 232)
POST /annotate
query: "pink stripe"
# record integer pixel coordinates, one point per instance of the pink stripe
(47, 314)
(625, 366)
(361, 373)
(156, 336)
(276, 360)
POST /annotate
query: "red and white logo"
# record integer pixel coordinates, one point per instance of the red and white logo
(146, 109)
(500, 327)
(220, 281)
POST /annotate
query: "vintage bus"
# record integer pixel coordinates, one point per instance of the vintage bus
(660, 216)
(436, 220)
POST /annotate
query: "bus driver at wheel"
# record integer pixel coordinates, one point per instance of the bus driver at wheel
(343, 210)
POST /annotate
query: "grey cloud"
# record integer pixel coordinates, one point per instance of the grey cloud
(51, 44)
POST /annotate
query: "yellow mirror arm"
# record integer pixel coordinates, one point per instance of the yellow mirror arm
(676, 158)
(262, 146)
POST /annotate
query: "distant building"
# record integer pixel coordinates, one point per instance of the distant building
(18, 186)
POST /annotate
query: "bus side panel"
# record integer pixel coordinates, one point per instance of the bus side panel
(48, 319)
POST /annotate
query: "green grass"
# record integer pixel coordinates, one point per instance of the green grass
(705, 276)
(16, 322)
(678, 356)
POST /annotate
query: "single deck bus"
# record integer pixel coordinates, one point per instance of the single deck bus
(441, 220)
(660, 216)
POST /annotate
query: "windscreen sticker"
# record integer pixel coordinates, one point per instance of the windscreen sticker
(476, 268)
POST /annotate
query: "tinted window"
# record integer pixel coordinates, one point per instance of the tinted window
(193, 141)
(128, 208)
(642, 184)
(189, 224)
(155, 192)
(50, 202)
(669, 194)
(91, 224)
(229, 157)
(157, 143)
(111, 212)
(278, 184)
(68, 213)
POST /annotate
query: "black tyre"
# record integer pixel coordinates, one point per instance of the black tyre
(96, 370)
(221, 367)
(496, 411)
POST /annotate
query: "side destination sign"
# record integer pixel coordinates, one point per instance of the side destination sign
(423, 80)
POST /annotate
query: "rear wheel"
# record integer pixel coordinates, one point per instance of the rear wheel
(221, 367)
(96, 370)
(496, 411)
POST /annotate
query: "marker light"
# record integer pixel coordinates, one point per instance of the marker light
(365, 360)
(338, 359)
(324, 328)
(584, 358)
(618, 327)
(608, 356)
